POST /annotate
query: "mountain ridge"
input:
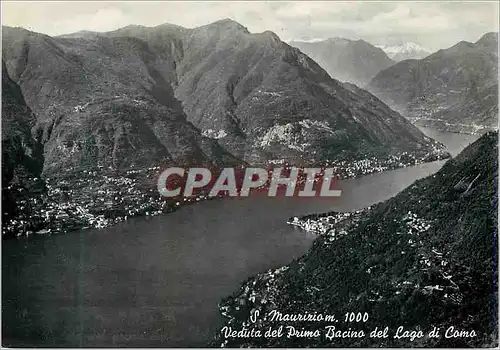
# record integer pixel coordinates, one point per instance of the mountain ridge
(405, 262)
(90, 90)
(223, 79)
(454, 89)
(354, 61)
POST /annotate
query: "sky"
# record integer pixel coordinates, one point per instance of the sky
(433, 25)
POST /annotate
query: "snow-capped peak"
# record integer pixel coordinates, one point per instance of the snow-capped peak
(405, 51)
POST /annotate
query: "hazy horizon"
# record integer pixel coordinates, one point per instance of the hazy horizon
(433, 25)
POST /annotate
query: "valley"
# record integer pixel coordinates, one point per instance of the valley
(94, 256)
(453, 89)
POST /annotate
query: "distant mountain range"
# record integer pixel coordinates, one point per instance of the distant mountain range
(353, 61)
(424, 259)
(215, 94)
(454, 89)
(405, 51)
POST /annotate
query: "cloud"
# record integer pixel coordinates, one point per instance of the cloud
(431, 24)
(103, 20)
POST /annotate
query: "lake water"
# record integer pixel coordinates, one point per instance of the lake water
(156, 282)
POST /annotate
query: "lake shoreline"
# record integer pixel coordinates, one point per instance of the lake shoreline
(178, 266)
(74, 203)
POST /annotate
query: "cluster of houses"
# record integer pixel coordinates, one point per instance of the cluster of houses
(96, 199)
(349, 169)
(89, 200)
(343, 169)
(325, 223)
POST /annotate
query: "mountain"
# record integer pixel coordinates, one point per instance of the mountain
(265, 100)
(102, 102)
(423, 259)
(455, 89)
(139, 96)
(354, 61)
(405, 51)
(22, 155)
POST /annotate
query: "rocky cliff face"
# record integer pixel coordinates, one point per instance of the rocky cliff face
(425, 258)
(139, 96)
(454, 89)
(353, 61)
